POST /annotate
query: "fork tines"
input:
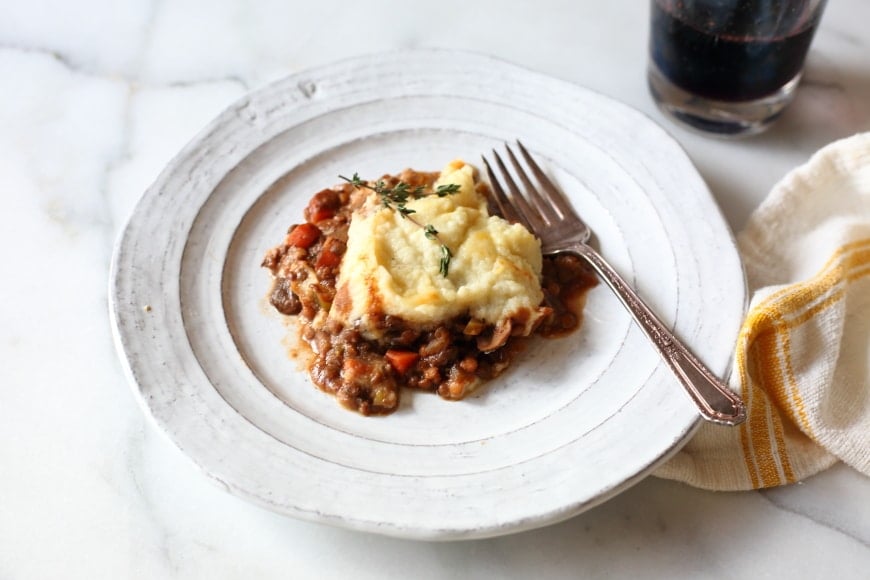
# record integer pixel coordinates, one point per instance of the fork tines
(524, 204)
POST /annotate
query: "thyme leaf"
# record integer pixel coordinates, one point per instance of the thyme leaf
(448, 189)
(444, 266)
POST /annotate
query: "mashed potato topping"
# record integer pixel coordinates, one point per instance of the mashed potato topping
(390, 267)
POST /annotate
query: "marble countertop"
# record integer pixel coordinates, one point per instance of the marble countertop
(98, 96)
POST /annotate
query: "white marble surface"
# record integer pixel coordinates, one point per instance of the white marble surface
(98, 95)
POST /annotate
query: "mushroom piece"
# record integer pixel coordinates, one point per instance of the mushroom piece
(502, 331)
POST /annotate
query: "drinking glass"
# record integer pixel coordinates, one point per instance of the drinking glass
(729, 67)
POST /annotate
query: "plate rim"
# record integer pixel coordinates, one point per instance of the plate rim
(116, 307)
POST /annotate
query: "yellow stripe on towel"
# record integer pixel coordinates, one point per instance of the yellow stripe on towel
(764, 361)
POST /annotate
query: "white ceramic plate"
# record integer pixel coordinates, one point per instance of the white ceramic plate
(574, 422)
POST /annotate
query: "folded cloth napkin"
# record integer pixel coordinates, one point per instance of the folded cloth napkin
(802, 361)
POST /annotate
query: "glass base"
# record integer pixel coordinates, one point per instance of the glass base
(720, 118)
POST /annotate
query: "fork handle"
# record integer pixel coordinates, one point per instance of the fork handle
(714, 400)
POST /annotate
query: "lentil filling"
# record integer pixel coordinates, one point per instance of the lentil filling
(449, 358)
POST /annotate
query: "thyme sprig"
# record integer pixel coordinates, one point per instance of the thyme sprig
(396, 198)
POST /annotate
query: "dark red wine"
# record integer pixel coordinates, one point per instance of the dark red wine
(726, 53)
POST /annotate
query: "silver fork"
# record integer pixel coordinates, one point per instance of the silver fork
(549, 215)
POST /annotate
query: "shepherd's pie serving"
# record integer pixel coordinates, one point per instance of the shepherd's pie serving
(409, 281)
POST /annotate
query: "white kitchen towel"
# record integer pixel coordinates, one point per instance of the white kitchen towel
(802, 361)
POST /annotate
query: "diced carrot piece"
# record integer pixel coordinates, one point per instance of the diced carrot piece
(401, 360)
(303, 235)
(329, 257)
